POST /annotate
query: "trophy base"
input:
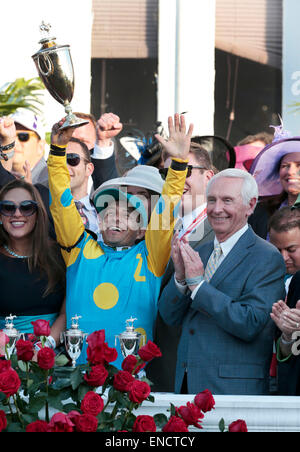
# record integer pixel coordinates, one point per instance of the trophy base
(73, 123)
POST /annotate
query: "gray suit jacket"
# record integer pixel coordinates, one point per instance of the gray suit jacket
(227, 335)
(161, 371)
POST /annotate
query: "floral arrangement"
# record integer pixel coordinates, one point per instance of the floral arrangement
(95, 397)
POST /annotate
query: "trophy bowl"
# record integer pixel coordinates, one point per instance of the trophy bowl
(73, 340)
(55, 68)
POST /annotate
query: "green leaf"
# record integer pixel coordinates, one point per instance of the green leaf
(61, 383)
(222, 425)
(61, 360)
(160, 420)
(36, 403)
(172, 409)
(14, 427)
(76, 378)
(82, 390)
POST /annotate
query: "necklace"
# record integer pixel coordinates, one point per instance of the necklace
(12, 253)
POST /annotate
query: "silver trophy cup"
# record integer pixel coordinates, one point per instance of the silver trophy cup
(73, 340)
(13, 335)
(129, 339)
(55, 68)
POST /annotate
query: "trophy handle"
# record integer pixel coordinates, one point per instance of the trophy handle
(48, 63)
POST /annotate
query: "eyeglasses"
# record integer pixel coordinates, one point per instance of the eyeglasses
(164, 171)
(26, 208)
(74, 159)
(25, 136)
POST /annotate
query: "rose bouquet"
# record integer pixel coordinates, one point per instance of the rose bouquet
(95, 397)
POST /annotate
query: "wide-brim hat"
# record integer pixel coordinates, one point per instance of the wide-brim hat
(147, 177)
(104, 197)
(265, 167)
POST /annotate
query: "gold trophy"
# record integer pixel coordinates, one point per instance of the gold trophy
(55, 68)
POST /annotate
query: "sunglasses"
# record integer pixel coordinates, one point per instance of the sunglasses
(26, 208)
(74, 159)
(25, 136)
(164, 171)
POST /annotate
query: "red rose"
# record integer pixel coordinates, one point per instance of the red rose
(46, 358)
(122, 381)
(130, 362)
(238, 426)
(98, 351)
(60, 423)
(4, 365)
(149, 351)
(3, 421)
(92, 404)
(205, 401)
(72, 415)
(41, 327)
(109, 354)
(9, 382)
(175, 424)
(144, 423)
(97, 376)
(191, 414)
(86, 423)
(139, 391)
(37, 427)
(25, 350)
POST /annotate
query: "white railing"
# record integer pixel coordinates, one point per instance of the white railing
(261, 413)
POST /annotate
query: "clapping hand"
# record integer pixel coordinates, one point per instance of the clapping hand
(178, 144)
(286, 319)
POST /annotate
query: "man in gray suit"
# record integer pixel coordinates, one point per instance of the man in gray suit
(222, 295)
(194, 226)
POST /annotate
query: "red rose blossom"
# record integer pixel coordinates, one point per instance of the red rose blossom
(122, 381)
(86, 423)
(139, 391)
(92, 404)
(60, 423)
(129, 364)
(37, 427)
(46, 358)
(98, 351)
(238, 426)
(144, 423)
(41, 327)
(175, 424)
(4, 365)
(25, 350)
(97, 376)
(191, 414)
(205, 401)
(9, 382)
(3, 420)
(149, 351)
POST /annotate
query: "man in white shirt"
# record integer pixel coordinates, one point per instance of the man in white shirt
(222, 295)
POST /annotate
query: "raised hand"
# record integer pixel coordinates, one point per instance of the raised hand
(61, 137)
(108, 126)
(178, 144)
(7, 130)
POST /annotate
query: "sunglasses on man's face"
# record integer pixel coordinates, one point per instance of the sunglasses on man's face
(25, 136)
(26, 208)
(164, 171)
(74, 159)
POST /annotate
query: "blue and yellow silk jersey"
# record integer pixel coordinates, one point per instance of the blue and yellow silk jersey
(104, 286)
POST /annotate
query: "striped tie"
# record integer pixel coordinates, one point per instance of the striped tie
(212, 263)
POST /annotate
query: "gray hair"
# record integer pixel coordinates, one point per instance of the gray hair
(249, 188)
